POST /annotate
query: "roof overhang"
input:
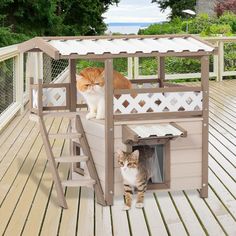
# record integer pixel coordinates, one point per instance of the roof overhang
(104, 47)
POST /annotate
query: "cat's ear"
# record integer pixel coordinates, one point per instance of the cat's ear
(78, 77)
(135, 155)
(119, 153)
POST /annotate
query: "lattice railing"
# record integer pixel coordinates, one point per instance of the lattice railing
(158, 102)
(52, 72)
(54, 97)
(49, 96)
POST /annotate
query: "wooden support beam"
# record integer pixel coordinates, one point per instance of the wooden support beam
(130, 67)
(40, 97)
(220, 61)
(205, 113)
(31, 82)
(109, 133)
(161, 71)
(73, 91)
(71, 95)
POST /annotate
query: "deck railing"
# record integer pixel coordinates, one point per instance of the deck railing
(16, 69)
(218, 66)
(11, 83)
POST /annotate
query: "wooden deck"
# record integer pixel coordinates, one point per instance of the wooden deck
(27, 196)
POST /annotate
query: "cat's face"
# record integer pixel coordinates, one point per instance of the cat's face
(128, 160)
(91, 81)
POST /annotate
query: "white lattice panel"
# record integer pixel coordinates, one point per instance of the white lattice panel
(54, 97)
(158, 102)
(51, 97)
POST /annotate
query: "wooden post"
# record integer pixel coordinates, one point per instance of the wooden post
(36, 68)
(205, 111)
(40, 65)
(29, 71)
(136, 67)
(40, 97)
(130, 67)
(220, 61)
(109, 133)
(31, 82)
(72, 96)
(73, 91)
(161, 71)
(19, 80)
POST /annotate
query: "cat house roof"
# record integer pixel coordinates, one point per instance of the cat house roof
(92, 47)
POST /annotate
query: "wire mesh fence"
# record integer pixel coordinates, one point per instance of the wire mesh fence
(7, 84)
(25, 57)
(53, 68)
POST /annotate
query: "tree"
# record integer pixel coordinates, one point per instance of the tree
(176, 6)
(83, 17)
(51, 17)
(227, 5)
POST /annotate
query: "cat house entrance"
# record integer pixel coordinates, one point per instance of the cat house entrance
(156, 160)
(153, 143)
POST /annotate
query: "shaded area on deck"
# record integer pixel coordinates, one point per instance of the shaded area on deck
(28, 199)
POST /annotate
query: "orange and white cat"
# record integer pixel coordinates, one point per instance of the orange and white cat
(90, 83)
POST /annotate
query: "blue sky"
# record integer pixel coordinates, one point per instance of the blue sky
(135, 11)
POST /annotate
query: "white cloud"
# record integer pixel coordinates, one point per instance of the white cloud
(135, 11)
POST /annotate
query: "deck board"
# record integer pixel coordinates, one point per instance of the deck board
(28, 198)
(208, 220)
(173, 221)
(190, 219)
(120, 218)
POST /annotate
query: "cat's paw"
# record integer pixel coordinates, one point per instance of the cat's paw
(139, 205)
(90, 115)
(100, 117)
(126, 208)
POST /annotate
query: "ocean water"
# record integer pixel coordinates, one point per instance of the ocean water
(126, 28)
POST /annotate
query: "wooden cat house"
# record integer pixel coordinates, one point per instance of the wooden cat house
(171, 118)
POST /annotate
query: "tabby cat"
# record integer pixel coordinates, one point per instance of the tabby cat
(90, 83)
(136, 169)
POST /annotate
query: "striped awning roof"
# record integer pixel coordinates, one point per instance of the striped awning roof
(124, 46)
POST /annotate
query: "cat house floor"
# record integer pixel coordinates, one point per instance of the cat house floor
(28, 199)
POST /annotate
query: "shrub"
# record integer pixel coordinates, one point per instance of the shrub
(228, 18)
(230, 56)
(200, 24)
(220, 29)
(147, 66)
(120, 64)
(173, 27)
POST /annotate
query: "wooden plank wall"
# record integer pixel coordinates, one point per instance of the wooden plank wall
(186, 153)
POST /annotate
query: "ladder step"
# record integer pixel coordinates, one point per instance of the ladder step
(78, 183)
(65, 135)
(60, 114)
(69, 159)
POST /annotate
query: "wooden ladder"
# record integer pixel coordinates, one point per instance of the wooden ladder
(77, 136)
